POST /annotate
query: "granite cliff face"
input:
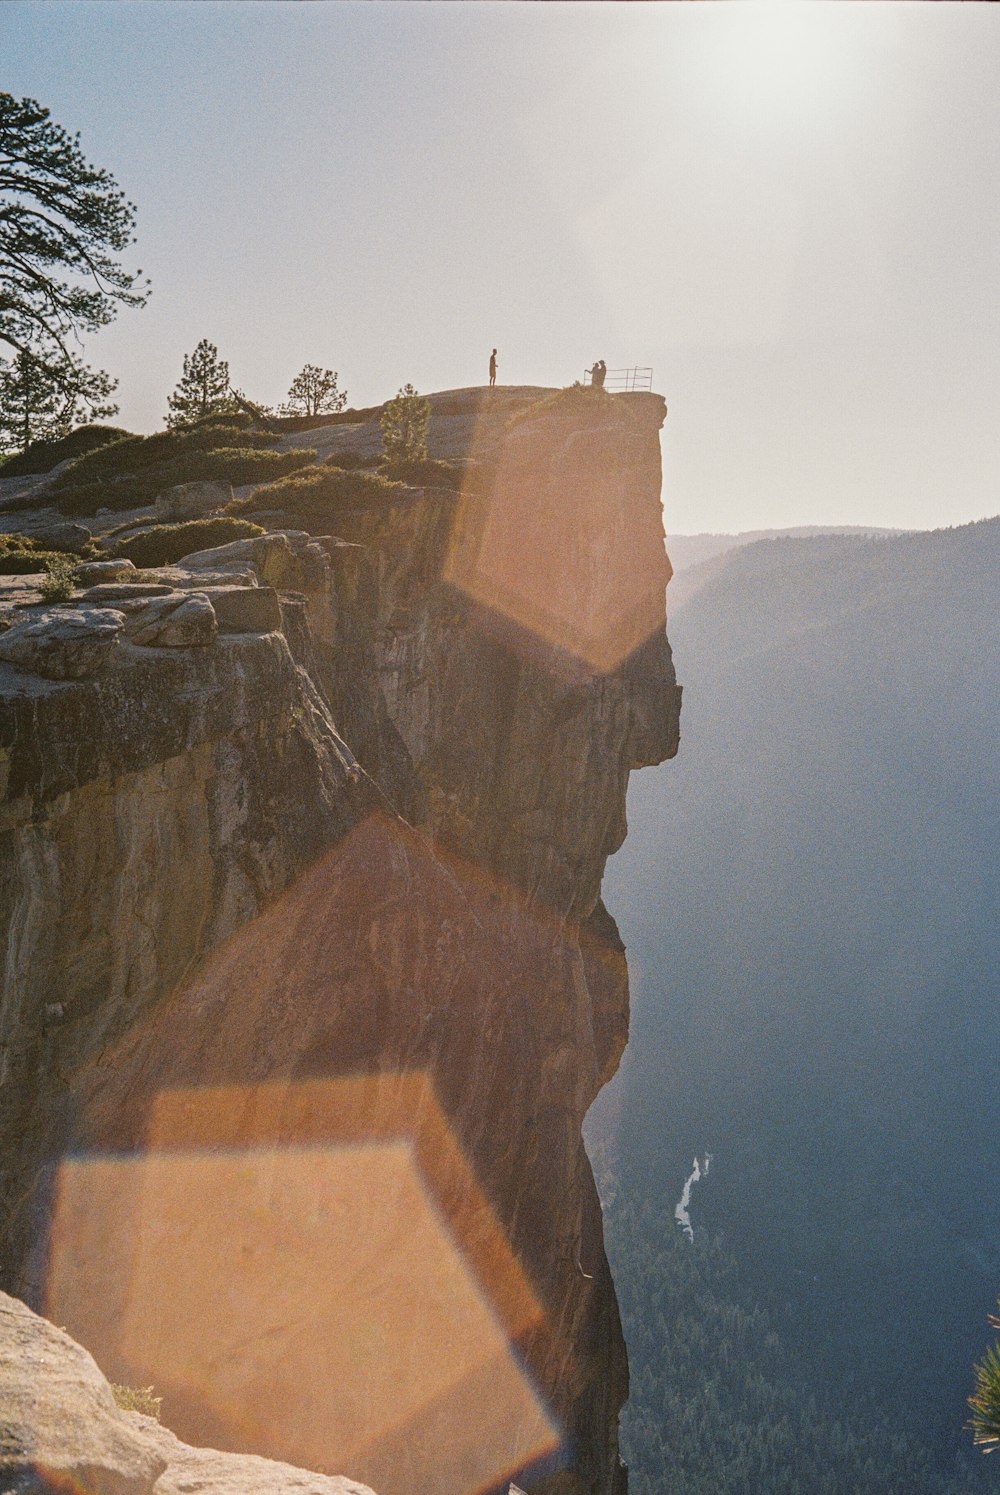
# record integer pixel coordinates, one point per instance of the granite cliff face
(308, 981)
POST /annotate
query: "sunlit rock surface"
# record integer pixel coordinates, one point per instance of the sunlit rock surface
(60, 1429)
(309, 985)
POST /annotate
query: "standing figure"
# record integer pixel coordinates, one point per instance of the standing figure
(493, 368)
(597, 374)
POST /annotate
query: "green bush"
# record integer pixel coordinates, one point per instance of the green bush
(163, 544)
(351, 459)
(58, 584)
(135, 454)
(42, 456)
(236, 465)
(425, 472)
(27, 562)
(318, 495)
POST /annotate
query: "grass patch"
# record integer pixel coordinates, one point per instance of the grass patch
(137, 1399)
(163, 544)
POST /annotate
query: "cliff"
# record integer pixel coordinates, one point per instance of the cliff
(308, 981)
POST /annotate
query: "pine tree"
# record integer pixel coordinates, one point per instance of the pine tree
(63, 223)
(985, 1402)
(37, 404)
(314, 391)
(405, 421)
(203, 388)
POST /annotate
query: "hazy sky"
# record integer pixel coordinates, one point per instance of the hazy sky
(790, 210)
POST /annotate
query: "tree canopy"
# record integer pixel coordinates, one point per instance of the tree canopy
(63, 224)
(314, 391)
(405, 421)
(35, 405)
(203, 388)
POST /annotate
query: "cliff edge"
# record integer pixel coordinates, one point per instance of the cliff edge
(308, 982)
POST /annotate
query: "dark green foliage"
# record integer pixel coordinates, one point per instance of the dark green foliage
(58, 584)
(985, 1400)
(42, 456)
(317, 496)
(809, 894)
(63, 224)
(23, 559)
(40, 404)
(129, 474)
(425, 472)
(315, 391)
(720, 1404)
(203, 388)
(405, 421)
(162, 544)
(349, 460)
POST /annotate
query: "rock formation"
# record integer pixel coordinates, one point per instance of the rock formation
(60, 1429)
(308, 981)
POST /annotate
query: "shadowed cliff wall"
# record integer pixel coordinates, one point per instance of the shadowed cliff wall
(297, 1060)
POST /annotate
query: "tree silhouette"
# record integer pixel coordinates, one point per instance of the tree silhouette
(314, 391)
(404, 422)
(203, 388)
(63, 222)
(35, 405)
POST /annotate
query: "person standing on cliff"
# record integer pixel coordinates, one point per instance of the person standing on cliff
(597, 374)
(493, 368)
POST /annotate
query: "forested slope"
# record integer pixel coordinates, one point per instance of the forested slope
(810, 902)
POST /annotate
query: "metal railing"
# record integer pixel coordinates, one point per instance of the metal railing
(624, 381)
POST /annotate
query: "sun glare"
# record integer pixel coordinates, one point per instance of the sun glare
(775, 59)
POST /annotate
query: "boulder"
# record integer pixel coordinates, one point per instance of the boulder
(123, 591)
(179, 620)
(58, 1417)
(68, 537)
(191, 501)
(245, 609)
(62, 643)
(287, 560)
(92, 573)
(60, 1430)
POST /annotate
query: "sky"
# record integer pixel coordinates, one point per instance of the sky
(788, 208)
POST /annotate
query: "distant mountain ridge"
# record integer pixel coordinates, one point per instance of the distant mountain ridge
(811, 903)
(696, 558)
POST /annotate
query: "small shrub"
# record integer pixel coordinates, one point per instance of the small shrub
(42, 456)
(318, 495)
(405, 421)
(349, 460)
(58, 584)
(236, 465)
(137, 1399)
(27, 562)
(163, 544)
(240, 466)
(425, 472)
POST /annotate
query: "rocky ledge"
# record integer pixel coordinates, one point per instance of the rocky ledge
(61, 1429)
(308, 981)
